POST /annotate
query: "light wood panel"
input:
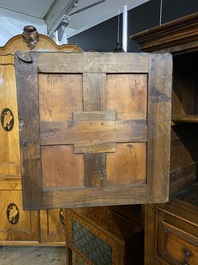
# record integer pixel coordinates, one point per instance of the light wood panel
(27, 230)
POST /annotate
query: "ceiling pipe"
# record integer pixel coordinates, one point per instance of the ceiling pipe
(87, 7)
(124, 28)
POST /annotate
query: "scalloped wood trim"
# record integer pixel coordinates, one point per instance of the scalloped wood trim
(44, 44)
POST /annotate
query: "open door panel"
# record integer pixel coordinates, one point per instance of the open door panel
(94, 128)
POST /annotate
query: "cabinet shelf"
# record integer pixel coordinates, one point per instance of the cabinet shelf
(185, 119)
(189, 194)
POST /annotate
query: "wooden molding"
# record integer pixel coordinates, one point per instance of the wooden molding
(176, 32)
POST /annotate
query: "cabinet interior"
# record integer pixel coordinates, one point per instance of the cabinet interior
(184, 143)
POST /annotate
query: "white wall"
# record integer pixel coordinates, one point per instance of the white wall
(12, 24)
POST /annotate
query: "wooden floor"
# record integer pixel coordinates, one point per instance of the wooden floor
(35, 256)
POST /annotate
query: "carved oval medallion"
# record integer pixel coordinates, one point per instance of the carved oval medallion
(7, 119)
(61, 216)
(13, 213)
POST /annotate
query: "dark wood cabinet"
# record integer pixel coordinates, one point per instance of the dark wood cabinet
(171, 229)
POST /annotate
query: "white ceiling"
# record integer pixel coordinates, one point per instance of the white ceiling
(35, 8)
(51, 11)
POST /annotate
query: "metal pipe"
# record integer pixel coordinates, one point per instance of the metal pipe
(124, 28)
(87, 7)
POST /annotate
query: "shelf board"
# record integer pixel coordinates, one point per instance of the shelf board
(189, 194)
(185, 118)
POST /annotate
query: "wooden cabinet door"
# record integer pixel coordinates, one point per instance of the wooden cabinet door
(17, 226)
(94, 128)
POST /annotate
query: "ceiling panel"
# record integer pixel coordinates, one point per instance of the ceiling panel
(87, 13)
(100, 12)
(34, 8)
(92, 12)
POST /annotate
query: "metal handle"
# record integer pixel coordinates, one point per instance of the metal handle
(187, 254)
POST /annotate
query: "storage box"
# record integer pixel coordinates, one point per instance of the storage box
(100, 236)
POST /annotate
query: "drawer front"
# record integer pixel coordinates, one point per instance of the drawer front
(177, 239)
(179, 245)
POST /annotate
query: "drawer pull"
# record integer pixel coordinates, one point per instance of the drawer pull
(187, 254)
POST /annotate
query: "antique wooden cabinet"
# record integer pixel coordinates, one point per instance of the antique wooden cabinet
(171, 229)
(18, 226)
(94, 128)
(102, 235)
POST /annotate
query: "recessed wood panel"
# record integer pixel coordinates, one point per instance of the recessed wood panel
(59, 96)
(127, 93)
(127, 165)
(9, 144)
(61, 167)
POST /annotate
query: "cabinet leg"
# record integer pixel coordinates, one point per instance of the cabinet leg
(68, 256)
